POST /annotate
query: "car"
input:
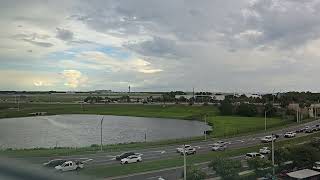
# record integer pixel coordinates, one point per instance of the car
(180, 149)
(131, 159)
(219, 143)
(309, 130)
(254, 155)
(264, 150)
(70, 166)
(267, 139)
(188, 151)
(316, 166)
(316, 127)
(300, 130)
(218, 147)
(124, 155)
(53, 163)
(289, 134)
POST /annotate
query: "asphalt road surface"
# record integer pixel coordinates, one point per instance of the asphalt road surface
(150, 154)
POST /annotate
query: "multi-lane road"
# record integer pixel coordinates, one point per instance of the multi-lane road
(150, 154)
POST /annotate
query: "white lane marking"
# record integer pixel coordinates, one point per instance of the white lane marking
(197, 147)
(240, 140)
(161, 152)
(87, 160)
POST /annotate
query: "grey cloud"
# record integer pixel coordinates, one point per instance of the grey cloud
(159, 47)
(64, 34)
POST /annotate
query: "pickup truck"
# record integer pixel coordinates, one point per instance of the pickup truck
(267, 139)
(189, 150)
(69, 166)
(264, 150)
(289, 134)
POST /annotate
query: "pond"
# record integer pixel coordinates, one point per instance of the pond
(83, 130)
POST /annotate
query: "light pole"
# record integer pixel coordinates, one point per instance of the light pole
(265, 120)
(101, 133)
(205, 132)
(184, 163)
(272, 148)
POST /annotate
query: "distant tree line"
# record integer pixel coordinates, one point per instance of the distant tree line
(246, 109)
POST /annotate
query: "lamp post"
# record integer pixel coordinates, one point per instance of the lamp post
(101, 133)
(205, 132)
(272, 149)
(184, 163)
(265, 120)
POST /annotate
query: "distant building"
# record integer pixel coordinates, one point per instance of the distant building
(219, 97)
(254, 96)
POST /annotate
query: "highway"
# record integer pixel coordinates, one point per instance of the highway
(150, 154)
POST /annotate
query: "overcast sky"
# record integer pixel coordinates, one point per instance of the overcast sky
(160, 45)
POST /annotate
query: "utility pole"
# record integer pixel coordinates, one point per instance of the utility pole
(19, 103)
(193, 96)
(297, 116)
(185, 163)
(101, 133)
(145, 136)
(265, 120)
(205, 132)
(272, 144)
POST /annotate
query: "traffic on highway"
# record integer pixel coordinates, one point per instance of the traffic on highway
(77, 162)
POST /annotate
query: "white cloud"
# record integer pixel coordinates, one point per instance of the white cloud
(74, 78)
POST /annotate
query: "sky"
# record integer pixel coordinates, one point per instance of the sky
(152, 45)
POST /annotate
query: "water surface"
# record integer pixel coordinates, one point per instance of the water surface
(83, 130)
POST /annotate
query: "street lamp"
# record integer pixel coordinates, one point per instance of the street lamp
(265, 118)
(101, 133)
(205, 132)
(272, 148)
(184, 163)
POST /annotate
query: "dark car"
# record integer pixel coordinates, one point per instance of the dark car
(54, 162)
(310, 130)
(124, 155)
(277, 135)
(300, 130)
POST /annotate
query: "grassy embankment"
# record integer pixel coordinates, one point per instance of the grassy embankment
(118, 170)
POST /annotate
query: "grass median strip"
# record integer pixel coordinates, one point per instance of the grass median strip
(118, 170)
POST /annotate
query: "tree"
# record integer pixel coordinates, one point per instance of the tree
(226, 108)
(260, 166)
(271, 110)
(194, 173)
(226, 168)
(247, 110)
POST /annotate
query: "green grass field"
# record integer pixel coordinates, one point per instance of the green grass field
(160, 111)
(234, 125)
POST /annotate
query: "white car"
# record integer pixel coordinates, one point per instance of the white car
(264, 150)
(221, 143)
(254, 155)
(69, 166)
(290, 134)
(131, 159)
(180, 149)
(217, 147)
(267, 139)
(316, 166)
(190, 150)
